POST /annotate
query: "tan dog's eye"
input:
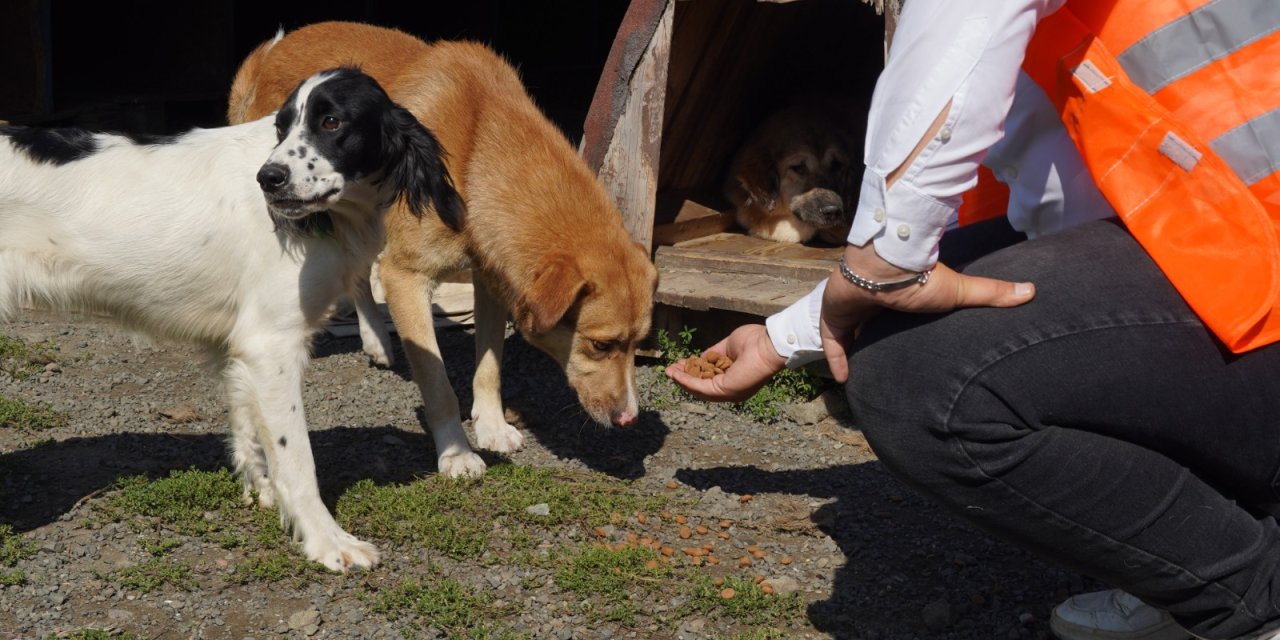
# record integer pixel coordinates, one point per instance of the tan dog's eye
(603, 345)
(330, 123)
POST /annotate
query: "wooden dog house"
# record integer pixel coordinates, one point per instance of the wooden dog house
(684, 83)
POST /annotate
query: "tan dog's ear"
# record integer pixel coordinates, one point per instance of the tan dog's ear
(755, 178)
(557, 284)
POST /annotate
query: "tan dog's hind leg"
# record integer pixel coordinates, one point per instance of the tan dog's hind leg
(488, 419)
(409, 297)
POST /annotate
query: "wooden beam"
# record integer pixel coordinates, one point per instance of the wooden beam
(630, 166)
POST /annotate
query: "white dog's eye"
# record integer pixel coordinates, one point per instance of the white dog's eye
(279, 133)
(330, 123)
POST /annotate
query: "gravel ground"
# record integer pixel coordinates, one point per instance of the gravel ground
(871, 559)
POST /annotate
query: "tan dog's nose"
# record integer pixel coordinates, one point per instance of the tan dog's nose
(623, 418)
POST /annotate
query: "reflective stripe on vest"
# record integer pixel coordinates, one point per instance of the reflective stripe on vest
(1181, 132)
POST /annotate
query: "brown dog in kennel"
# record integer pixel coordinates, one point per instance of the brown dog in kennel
(795, 177)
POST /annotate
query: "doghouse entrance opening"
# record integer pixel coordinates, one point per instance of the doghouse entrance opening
(732, 63)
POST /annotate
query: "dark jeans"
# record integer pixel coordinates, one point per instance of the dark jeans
(1100, 425)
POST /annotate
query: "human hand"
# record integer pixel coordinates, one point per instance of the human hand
(754, 362)
(845, 306)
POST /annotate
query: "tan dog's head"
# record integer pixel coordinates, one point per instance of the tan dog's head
(797, 163)
(589, 310)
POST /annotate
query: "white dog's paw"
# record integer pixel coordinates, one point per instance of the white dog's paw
(378, 352)
(341, 552)
(262, 488)
(497, 435)
(461, 465)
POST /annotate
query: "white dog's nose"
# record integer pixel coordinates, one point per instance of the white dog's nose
(273, 176)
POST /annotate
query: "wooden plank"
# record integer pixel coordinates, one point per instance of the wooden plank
(754, 294)
(694, 259)
(630, 167)
(692, 222)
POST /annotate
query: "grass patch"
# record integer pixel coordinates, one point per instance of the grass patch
(607, 578)
(786, 386)
(22, 360)
(155, 573)
(16, 414)
(445, 604)
(178, 502)
(455, 517)
(749, 605)
(92, 634)
(13, 547)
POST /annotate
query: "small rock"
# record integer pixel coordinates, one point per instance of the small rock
(52, 367)
(180, 414)
(303, 619)
(540, 509)
(937, 615)
(783, 585)
(119, 615)
(811, 412)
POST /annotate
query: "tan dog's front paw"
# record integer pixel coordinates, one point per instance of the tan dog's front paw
(497, 435)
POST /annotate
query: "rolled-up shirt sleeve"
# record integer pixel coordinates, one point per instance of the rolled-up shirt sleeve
(966, 54)
(963, 53)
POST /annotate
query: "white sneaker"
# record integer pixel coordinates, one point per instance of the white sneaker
(1112, 615)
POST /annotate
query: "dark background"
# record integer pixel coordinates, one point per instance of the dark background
(161, 67)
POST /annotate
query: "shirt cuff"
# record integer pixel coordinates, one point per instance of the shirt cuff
(904, 224)
(794, 330)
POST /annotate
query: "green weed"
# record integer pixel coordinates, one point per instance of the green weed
(155, 573)
(178, 502)
(17, 414)
(455, 517)
(22, 360)
(445, 604)
(13, 547)
(606, 578)
(749, 605)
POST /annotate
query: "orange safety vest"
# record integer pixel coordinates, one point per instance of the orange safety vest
(1174, 106)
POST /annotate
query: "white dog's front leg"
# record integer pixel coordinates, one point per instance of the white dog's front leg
(267, 383)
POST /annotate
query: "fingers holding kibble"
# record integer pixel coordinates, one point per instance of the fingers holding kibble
(708, 365)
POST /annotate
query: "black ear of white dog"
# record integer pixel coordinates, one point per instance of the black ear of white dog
(418, 170)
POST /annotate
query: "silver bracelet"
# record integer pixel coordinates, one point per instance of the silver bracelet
(872, 285)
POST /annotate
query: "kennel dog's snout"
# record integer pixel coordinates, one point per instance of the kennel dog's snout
(273, 176)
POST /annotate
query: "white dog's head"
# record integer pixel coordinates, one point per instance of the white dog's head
(339, 129)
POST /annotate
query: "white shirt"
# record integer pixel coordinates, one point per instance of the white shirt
(968, 53)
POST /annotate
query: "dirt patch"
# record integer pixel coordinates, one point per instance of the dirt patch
(807, 505)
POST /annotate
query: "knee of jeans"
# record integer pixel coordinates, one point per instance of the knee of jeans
(906, 389)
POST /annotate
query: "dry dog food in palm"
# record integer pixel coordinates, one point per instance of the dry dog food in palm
(708, 365)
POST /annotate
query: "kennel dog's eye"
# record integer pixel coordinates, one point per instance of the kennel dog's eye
(330, 123)
(799, 168)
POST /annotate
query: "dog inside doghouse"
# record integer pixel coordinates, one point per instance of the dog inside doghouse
(765, 115)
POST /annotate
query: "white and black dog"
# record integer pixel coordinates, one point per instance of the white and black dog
(173, 237)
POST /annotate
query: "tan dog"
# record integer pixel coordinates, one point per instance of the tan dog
(792, 179)
(545, 241)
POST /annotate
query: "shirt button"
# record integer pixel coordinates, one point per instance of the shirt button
(1011, 174)
(878, 214)
(904, 232)
(944, 134)
(791, 338)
